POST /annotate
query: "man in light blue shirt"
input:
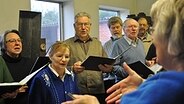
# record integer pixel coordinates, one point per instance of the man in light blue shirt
(115, 27)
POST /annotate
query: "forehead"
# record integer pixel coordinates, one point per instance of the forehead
(132, 22)
(12, 36)
(115, 24)
(83, 19)
(60, 47)
(142, 20)
(62, 50)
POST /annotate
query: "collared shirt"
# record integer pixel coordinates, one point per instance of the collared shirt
(84, 44)
(66, 72)
(147, 41)
(130, 41)
(109, 44)
(114, 37)
(146, 38)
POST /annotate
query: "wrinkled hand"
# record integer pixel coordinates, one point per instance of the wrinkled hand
(125, 86)
(83, 99)
(106, 68)
(77, 67)
(9, 95)
(14, 94)
(22, 89)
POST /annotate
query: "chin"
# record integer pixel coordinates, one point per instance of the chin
(17, 53)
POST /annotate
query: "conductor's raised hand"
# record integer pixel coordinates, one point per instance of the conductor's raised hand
(125, 86)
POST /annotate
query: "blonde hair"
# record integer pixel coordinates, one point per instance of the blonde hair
(58, 45)
(168, 18)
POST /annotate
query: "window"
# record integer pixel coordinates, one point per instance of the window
(104, 14)
(50, 25)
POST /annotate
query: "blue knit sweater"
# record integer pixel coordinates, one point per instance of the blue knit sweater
(46, 88)
(163, 88)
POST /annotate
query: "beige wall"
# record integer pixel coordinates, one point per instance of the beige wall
(135, 6)
(9, 13)
(92, 7)
(9, 10)
(144, 5)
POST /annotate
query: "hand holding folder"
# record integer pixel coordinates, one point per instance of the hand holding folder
(92, 62)
(11, 87)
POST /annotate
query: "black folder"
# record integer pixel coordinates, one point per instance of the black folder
(12, 86)
(9, 88)
(141, 69)
(40, 61)
(92, 62)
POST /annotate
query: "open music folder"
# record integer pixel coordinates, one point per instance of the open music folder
(92, 62)
(141, 69)
(12, 86)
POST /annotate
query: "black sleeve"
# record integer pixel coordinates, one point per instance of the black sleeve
(151, 52)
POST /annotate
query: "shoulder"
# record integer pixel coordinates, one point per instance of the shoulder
(41, 73)
(120, 42)
(69, 40)
(161, 86)
(170, 78)
(1, 59)
(108, 42)
(95, 40)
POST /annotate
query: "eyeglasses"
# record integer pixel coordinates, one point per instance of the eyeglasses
(83, 24)
(14, 40)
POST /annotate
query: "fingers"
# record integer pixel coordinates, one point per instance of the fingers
(68, 102)
(105, 68)
(9, 95)
(22, 89)
(115, 96)
(77, 67)
(113, 88)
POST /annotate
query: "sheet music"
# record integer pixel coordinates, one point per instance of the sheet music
(27, 78)
(155, 68)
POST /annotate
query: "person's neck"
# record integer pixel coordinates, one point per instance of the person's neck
(141, 34)
(84, 39)
(61, 72)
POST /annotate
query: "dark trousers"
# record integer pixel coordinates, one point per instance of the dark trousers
(109, 83)
(100, 97)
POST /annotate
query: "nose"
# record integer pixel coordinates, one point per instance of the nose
(17, 42)
(63, 58)
(83, 26)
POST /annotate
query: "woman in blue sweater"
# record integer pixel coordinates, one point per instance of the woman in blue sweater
(52, 84)
(164, 87)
